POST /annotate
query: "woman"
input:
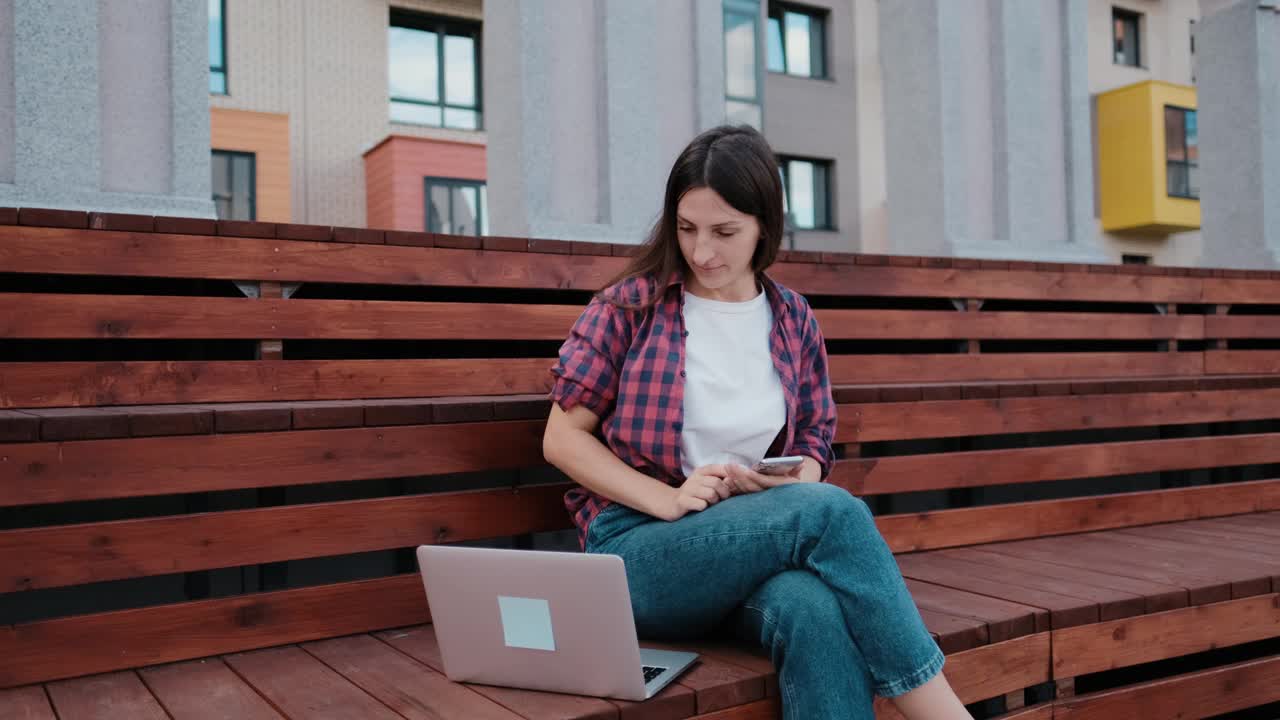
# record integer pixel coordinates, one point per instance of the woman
(694, 365)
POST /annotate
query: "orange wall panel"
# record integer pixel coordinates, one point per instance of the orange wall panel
(266, 135)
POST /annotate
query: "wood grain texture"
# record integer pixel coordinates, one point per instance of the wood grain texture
(114, 696)
(74, 384)
(934, 471)
(1132, 641)
(85, 644)
(871, 422)
(910, 532)
(205, 690)
(62, 472)
(26, 703)
(93, 552)
(301, 686)
(849, 369)
(1196, 695)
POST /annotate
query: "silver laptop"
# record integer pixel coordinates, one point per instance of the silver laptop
(556, 621)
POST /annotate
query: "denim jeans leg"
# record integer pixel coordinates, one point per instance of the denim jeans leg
(687, 576)
(821, 672)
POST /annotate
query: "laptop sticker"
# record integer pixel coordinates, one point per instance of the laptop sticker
(526, 623)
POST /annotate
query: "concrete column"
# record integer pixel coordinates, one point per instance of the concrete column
(109, 106)
(986, 129)
(1238, 74)
(587, 105)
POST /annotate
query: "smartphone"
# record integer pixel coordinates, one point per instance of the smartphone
(778, 465)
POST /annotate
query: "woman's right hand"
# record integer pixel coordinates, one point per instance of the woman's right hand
(707, 486)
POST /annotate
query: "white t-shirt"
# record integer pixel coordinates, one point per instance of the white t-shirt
(734, 405)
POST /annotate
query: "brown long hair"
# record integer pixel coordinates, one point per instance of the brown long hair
(738, 164)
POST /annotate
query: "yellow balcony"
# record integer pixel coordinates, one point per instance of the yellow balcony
(1147, 158)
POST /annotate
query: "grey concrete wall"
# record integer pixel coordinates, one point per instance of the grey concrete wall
(6, 91)
(986, 129)
(587, 106)
(133, 64)
(95, 124)
(1239, 79)
(818, 118)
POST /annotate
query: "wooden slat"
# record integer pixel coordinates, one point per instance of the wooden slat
(944, 325)
(1196, 695)
(830, 279)
(849, 369)
(60, 251)
(1242, 362)
(48, 316)
(35, 473)
(67, 647)
(65, 251)
(1235, 556)
(999, 668)
(93, 552)
(870, 422)
(205, 690)
(1132, 641)
(105, 697)
(1244, 291)
(1234, 327)
(420, 644)
(770, 709)
(26, 703)
(1039, 712)
(301, 686)
(1005, 620)
(65, 384)
(1013, 521)
(934, 471)
(718, 685)
(1117, 597)
(954, 633)
(1075, 551)
(1064, 610)
(408, 687)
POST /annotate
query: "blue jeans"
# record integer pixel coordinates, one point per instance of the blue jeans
(800, 569)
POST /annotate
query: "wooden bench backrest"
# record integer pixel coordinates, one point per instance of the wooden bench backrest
(933, 358)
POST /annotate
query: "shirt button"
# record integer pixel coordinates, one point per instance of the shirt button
(681, 373)
(685, 333)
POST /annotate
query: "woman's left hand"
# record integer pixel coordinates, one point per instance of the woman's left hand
(745, 480)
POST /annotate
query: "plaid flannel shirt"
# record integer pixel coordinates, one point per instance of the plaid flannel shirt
(627, 367)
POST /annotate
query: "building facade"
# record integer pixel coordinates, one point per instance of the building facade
(1030, 129)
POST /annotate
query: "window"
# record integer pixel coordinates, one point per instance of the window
(1182, 152)
(457, 207)
(797, 41)
(1192, 35)
(218, 47)
(434, 66)
(806, 197)
(742, 78)
(235, 193)
(1128, 45)
(1127, 259)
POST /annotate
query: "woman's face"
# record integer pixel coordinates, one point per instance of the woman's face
(718, 243)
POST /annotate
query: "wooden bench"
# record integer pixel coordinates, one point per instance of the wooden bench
(1076, 465)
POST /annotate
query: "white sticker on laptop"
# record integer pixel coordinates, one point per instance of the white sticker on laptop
(526, 623)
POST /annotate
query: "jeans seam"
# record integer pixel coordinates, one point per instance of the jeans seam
(915, 679)
(743, 533)
(788, 696)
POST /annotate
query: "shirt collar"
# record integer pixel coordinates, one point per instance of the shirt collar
(771, 289)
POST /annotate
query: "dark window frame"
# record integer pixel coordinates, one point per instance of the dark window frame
(1186, 153)
(222, 39)
(443, 26)
(481, 200)
(746, 9)
(825, 224)
(777, 11)
(253, 178)
(1124, 14)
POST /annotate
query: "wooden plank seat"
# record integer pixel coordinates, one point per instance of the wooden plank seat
(205, 497)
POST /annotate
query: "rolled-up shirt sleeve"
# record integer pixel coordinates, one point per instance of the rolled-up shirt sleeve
(590, 361)
(816, 413)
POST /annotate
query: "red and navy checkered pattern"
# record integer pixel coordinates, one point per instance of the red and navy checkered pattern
(627, 367)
